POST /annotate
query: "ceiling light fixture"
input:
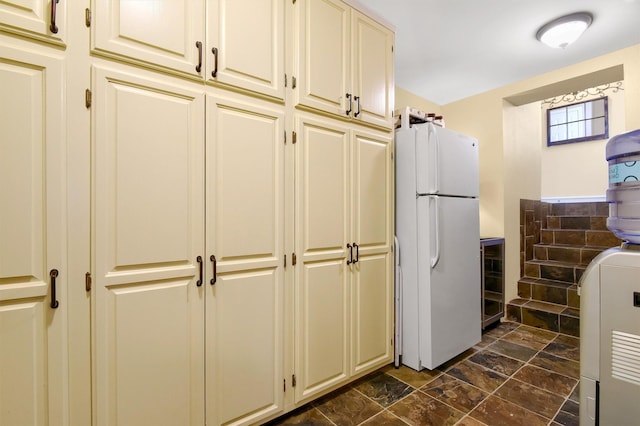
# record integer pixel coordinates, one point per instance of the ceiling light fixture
(563, 31)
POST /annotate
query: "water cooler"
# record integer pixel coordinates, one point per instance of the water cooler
(610, 301)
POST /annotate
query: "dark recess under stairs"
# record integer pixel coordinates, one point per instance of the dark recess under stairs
(558, 242)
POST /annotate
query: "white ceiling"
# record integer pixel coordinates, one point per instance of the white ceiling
(447, 50)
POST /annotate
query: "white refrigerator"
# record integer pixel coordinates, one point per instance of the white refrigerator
(437, 229)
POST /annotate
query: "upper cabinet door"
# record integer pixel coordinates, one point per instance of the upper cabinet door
(344, 62)
(33, 308)
(39, 19)
(323, 38)
(159, 33)
(246, 45)
(372, 71)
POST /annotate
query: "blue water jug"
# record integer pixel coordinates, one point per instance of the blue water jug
(623, 195)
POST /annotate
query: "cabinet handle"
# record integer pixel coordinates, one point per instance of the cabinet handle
(357, 253)
(357, 99)
(199, 46)
(53, 274)
(214, 73)
(199, 260)
(350, 261)
(215, 269)
(53, 27)
(349, 98)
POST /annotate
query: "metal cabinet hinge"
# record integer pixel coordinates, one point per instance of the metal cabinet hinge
(285, 137)
(87, 98)
(293, 381)
(87, 281)
(293, 82)
(285, 260)
(87, 17)
(285, 79)
(294, 259)
(284, 385)
(392, 155)
(294, 137)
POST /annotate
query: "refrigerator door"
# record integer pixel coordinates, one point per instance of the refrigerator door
(446, 162)
(448, 277)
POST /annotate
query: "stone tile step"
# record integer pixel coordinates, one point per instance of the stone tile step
(578, 222)
(600, 208)
(579, 238)
(548, 316)
(551, 291)
(553, 270)
(563, 253)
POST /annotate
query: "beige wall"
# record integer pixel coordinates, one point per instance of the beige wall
(408, 99)
(502, 182)
(510, 165)
(580, 169)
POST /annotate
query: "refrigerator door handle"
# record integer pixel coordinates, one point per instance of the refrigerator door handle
(436, 232)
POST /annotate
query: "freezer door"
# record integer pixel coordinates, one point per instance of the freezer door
(446, 162)
(449, 277)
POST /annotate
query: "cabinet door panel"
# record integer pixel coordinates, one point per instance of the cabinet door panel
(148, 227)
(245, 232)
(373, 70)
(323, 55)
(33, 338)
(372, 190)
(148, 346)
(323, 188)
(32, 18)
(371, 314)
(161, 33)
(245, 184)
(244, 338)
(322, 321)
(254, 62)
(322, 198)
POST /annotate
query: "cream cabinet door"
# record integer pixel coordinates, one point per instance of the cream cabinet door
(148, 233)
(323, 55)
(372, 66)
(245, 268)
(372, 215)
(43, 20)
(33, 317)
(159, 33)
(245, 45)
(322, 274)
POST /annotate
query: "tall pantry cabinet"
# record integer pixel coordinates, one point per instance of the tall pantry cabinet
(34, 322)
(223, 221)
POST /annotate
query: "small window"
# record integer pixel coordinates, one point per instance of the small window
(579, 122)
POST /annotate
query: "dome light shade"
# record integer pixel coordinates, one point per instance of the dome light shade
(563, 31)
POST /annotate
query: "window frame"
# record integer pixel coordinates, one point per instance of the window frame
(604, 135)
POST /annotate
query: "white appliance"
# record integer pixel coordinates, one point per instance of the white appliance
(610, 338)
(437, 228)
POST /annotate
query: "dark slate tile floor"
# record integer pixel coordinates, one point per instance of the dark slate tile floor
(517, 375)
